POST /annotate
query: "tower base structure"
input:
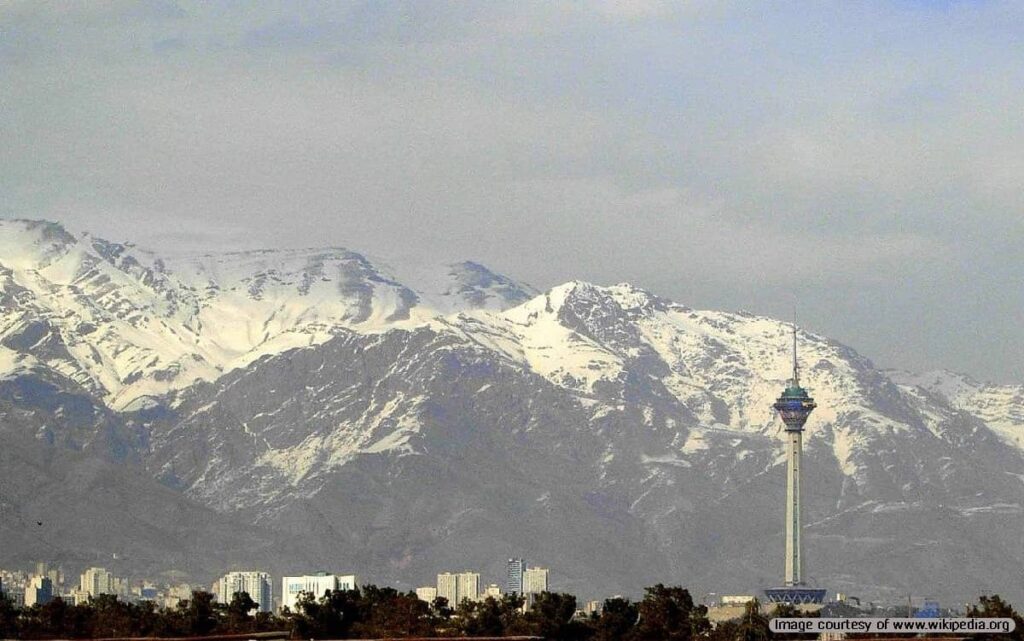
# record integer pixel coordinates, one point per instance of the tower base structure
(795, 595)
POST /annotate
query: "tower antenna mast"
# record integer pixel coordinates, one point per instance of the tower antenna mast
(796, 367)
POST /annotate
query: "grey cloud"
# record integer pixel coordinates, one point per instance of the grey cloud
(727, 155)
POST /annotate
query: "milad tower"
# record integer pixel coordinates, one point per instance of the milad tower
(794, 406)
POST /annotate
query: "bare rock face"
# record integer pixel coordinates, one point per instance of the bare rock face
(399, 421)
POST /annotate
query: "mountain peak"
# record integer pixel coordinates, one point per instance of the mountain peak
(619, 298)
(32, 244)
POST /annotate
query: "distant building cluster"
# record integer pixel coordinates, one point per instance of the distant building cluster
(455, 587)
(45, 583)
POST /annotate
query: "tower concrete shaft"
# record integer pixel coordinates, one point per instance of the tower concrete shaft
(794, 551)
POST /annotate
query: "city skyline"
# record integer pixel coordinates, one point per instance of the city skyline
(96, 581)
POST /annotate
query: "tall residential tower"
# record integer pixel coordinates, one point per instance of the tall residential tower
(515, 569)
(794, 406)
(255, 584)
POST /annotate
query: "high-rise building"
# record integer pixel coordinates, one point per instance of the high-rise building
(456, 587)
(39, 590)
(515, 568)
(448, 588)
(426, 593)
(55, 574)
(315, 584)
(794, 407)
(255, 584)
(97, 581)
(535, 580)
(469, 586)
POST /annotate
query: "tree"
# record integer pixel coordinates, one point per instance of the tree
(440, 616)
(725, 631)
(472, 618)
(8, 617)
(238, 617)
(994, 607)
(110, 617)
(551, 617)
(491, 617)
(754, 625)
(669, 614)
(386, 612)
(510, 607)
(199, 614)
(441, 608)
(334, 615)
(618, 616)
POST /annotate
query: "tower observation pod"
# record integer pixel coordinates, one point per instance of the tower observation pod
(794, 407)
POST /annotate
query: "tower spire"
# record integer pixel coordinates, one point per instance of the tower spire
(796, 367)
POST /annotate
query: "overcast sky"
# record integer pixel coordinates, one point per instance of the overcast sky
(865, 158)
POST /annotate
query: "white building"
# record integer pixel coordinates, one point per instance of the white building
(535, 580)
(39, 590)
(255, 584)
(469, 586)
(493, 590)
(448, 587)
(456, 587)
(315, 584)
(737, 599)
(97, 581)
(426, 593)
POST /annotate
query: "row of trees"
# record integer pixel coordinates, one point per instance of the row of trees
(107, 616)
(664, 614)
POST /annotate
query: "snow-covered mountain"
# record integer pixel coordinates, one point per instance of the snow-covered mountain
(128, 324)
(1001, 407)
(401, 421)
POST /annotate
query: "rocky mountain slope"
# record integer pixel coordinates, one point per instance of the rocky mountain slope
(623, 437)
(72, 492)
(400, 422)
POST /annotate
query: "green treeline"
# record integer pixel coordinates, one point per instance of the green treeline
(664, 614)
